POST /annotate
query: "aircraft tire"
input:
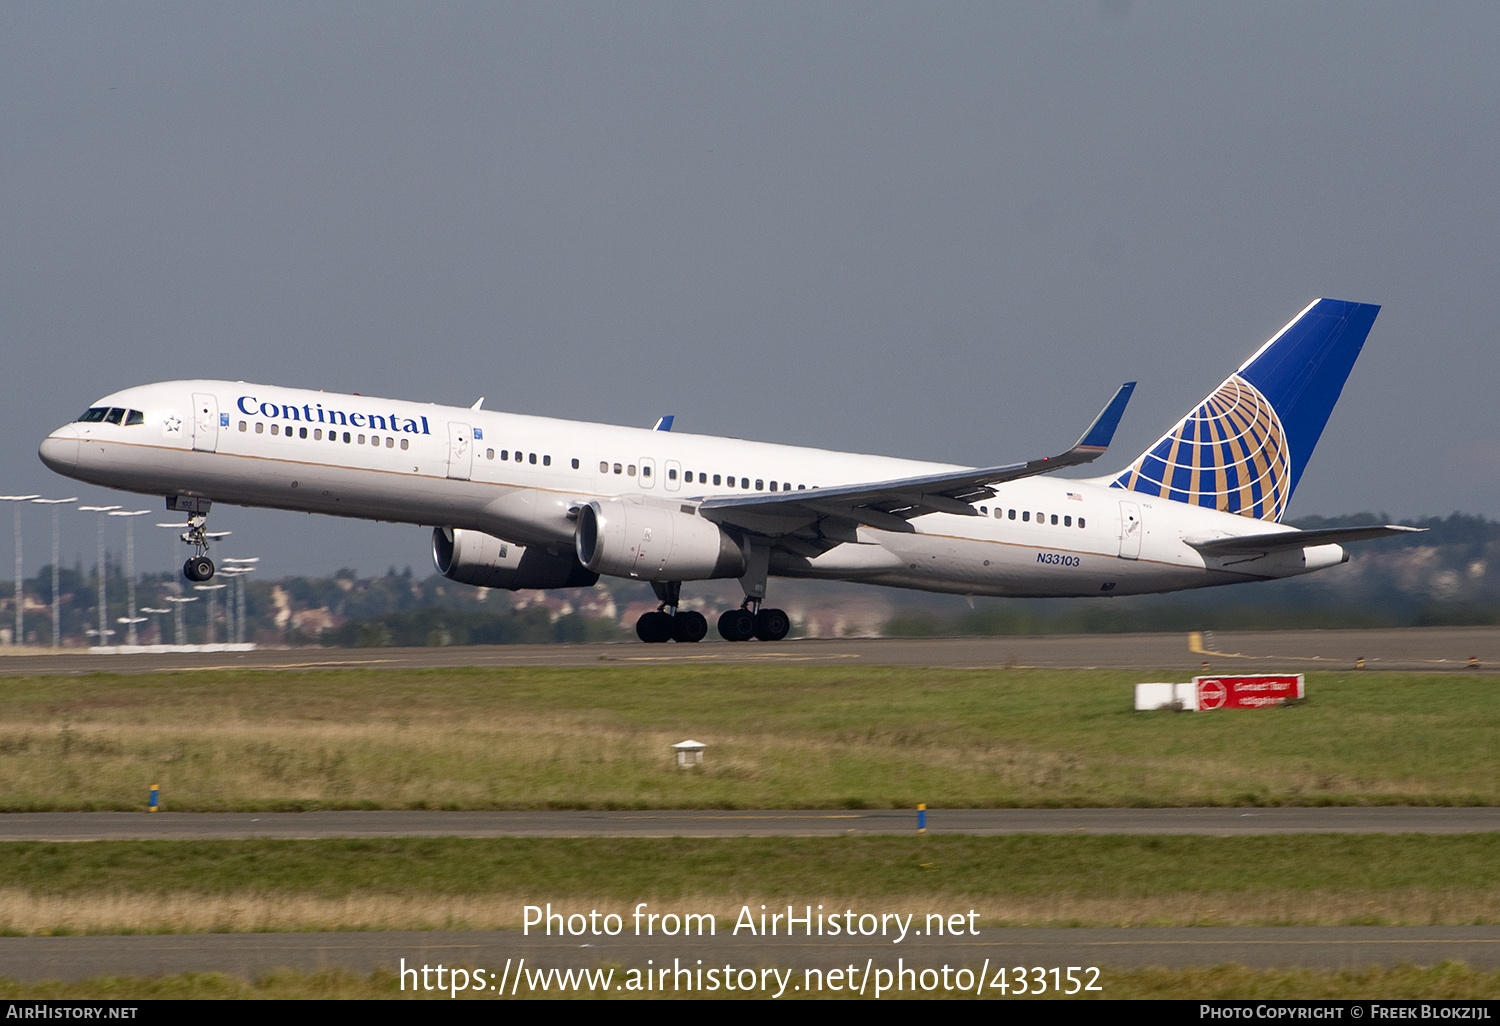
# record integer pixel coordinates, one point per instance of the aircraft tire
(654, 628)
(198, 568)
(689, 627)
(771, 625)
(737, 625)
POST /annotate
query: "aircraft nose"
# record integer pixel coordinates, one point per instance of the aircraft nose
(59, 450)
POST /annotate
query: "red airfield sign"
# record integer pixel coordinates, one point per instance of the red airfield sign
(1247, 692)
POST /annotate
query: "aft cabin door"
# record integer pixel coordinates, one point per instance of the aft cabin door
(1130, 530)
(205, 422)
(460, 451)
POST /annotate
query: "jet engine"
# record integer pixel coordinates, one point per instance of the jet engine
(473, 557)
(648, 543)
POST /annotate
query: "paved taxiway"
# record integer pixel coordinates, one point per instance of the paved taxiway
(1414, 648)
(251, 954)
(1217, 822)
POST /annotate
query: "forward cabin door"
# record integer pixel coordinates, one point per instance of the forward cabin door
(460, 451)
(205, 422)
(1130, 530)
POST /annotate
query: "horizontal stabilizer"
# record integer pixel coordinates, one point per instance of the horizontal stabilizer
(1295, 539)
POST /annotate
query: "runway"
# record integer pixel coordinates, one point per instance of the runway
(249, 955)
(1413, 648)
(1217, 822)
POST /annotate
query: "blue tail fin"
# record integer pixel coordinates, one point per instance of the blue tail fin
(1245, 446)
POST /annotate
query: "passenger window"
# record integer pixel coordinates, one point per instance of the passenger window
(260, 427)
(346, 438)
(533, 458)
(546, 461)
(1026, 516)
(630, 470)
(1012, 514)
(744, 482)
(1080, 521)
(244, 426)
(1054, 520)
(645, 471)
(619, 469)
(1067, 521)
(773, 486)
(671, 474)
(489, 454)
(603, 467)
(390, 443)
(302, 432)
(1040, 518)
(361, 439)
(985, 510)
(404, 442)
(717, 478)
(275, 429)
(317, 434)
(759, 485)
(575, 464)
(134, 417)
(786, 486)
(802, 488)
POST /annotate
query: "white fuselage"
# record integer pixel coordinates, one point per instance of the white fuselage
(521, 478)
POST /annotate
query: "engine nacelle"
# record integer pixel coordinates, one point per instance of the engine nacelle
(647, 543)
(473, 557)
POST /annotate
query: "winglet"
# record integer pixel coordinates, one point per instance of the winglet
(664, 424)
(1102, 430)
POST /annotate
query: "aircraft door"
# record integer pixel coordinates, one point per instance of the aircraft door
(205, 422)
(648, 474)
(674, 476)
(1130, 530)
(460, 451)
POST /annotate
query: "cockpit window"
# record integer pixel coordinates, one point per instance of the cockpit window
(112, 415)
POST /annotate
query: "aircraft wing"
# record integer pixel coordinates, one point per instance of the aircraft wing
(1294, 539)
(890, 505)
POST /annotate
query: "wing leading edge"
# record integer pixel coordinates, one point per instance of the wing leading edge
(890, 505)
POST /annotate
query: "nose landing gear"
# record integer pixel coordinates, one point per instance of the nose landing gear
(199, 567)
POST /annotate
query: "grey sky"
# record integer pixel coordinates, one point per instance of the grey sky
(943, 231)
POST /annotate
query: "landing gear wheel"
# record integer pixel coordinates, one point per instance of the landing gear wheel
(737, 625)
(198, 568)
(689, 627)
(654, 628)
(771, 625)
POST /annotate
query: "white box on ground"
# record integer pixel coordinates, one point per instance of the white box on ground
(1166, 696)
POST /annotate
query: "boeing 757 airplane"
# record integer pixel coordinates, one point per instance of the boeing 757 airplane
(533, 502)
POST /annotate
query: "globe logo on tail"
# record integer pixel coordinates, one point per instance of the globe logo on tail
(1230, 454)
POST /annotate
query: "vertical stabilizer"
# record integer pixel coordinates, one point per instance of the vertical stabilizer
(1243, 449)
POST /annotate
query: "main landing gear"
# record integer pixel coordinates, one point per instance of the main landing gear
(745, 623)
(668, 623)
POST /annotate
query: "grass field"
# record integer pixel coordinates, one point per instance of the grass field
(778, 737)
(1033, 880)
